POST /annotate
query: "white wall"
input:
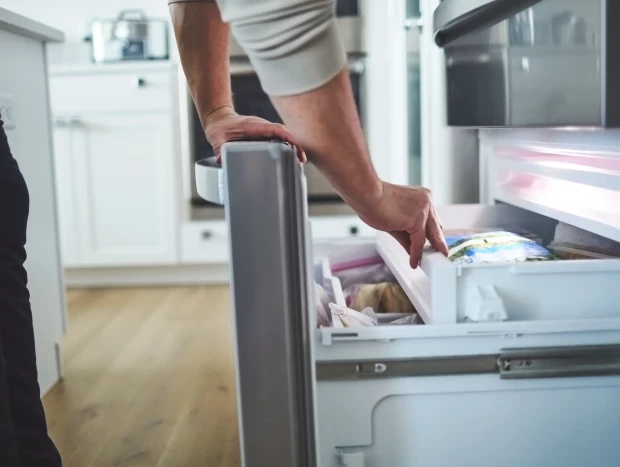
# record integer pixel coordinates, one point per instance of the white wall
(24, 77)
(74, 16)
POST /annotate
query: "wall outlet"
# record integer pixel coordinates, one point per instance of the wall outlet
(7, 110)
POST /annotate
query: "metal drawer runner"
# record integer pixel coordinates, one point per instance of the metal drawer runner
(547, 362)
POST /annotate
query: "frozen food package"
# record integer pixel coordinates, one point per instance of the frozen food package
(371, 270)
(565, 252)
(413, 319)
(386, 297)
(321, 302)
(473, 231)
(569, 236)
(348, 318)
(495, 247)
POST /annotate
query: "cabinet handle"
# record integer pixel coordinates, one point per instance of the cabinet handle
(76, 122)
(141, 82)
(60, 123)
(411, 23)
(207, 235)
(353, 230)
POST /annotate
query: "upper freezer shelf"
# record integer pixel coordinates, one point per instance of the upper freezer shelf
(571, 176)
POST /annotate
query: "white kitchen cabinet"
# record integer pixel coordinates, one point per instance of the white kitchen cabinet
(66, 195)
(116, 150)
(23, 80)
(205, 242)
(116, 189)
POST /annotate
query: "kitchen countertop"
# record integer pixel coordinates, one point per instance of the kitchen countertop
(18, 24)
(120, 67)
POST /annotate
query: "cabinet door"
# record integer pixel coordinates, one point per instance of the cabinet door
(126, 190)
(65, 193)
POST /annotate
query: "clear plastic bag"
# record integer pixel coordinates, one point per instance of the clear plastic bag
(410, 320)
(321, 303)
(371, 270)
(386, 297)
(343, 317)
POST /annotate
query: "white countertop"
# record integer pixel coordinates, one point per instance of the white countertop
(27, 27)
(111, 68)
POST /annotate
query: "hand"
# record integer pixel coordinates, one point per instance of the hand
(407, 213)
(225, 125)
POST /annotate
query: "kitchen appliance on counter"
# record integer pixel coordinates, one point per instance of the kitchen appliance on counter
(250, 99)
(515, 63)
(130, 36)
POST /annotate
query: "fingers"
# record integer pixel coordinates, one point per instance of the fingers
(402, 238)
(252, 128)
(418, 239)
(438, 220)
(405, 240)
(301, 155)
(267, 130)
(434, 233)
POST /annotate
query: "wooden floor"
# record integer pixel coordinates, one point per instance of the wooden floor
(149, 380)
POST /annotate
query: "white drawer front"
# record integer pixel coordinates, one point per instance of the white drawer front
(111, 92)
(339, 227)
(404, 422)
(205, 242)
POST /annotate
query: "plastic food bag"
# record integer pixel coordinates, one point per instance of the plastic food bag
(413, 319)
(321, 303)
(363, 271)
(386, 297)
(588, 243)
(495, 247)
(473, 231)
(565, 252)
(343, 317)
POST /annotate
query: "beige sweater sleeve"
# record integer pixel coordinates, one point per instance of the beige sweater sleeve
(294, 45)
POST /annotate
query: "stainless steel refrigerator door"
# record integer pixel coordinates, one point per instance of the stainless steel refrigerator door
(263, 188)
(454, 19)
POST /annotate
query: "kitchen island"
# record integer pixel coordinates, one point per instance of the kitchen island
(24, 107)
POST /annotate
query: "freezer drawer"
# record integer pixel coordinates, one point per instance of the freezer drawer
(445, 293)
(469, 421)
(516, 393)
(523, 392)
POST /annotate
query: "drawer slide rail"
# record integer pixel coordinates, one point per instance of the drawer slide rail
(526, 363)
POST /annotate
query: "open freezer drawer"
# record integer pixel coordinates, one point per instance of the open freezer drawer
(445, 293)
(515, 393)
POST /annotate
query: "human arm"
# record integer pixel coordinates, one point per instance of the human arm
(295, 48)
(326, 123)
(202, 39)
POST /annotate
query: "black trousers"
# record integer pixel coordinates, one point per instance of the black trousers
(24, 441)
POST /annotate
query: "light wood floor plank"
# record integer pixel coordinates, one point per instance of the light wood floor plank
(149, 380)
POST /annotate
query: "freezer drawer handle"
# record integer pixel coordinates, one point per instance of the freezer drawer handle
(559, 362)
(210, 180)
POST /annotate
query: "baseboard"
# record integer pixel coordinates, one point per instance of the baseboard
(147, 276)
